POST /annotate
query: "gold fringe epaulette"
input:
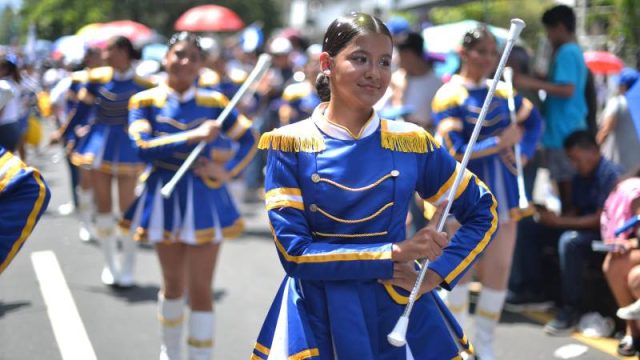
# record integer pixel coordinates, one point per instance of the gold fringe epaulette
(299, 137)
(100, 75)
(406, 137)
(290, 143)
(145, 82)
(152, 97)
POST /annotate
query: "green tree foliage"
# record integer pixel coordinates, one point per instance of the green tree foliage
(628, 13)
(55, 18)
(498, 13)
(8, 25)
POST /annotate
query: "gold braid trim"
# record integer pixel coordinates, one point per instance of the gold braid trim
(290, 143)
(416, 141)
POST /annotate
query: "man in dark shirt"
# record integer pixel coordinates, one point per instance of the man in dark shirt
(595, 178)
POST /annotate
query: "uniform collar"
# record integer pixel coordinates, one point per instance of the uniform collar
(340, 132)
(182, 98)
(123, 76)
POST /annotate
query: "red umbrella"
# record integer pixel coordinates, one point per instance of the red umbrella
(603, 62)
(209, 18)
(134, 31)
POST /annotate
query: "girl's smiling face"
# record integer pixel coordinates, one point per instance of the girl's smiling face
(360, 73)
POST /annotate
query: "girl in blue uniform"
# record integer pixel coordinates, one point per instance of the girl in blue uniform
(165, 124)
(301, 98)
(24, 197)
(338, 188)
(107, 151)
(456, 108)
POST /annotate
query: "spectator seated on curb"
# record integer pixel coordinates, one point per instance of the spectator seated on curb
(595, 178)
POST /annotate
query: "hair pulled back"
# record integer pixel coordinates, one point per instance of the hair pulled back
(122, 42)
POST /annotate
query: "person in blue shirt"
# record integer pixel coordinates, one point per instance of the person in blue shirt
(24, 196)
(338, 187)
(165, 124)
(107, 151)
(565, 107)
(594, 180)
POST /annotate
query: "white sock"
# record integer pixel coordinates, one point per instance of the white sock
(201, 331)
(458, 302)
(171, 316)
(85, 213)
(105, 229)
(488, 312)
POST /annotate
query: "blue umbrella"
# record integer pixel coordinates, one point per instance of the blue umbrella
(633, 103)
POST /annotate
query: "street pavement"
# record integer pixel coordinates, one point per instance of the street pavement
(123, 324)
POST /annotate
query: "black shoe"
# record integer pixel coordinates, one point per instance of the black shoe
(564, 323)
(516, 302)
(628, 346)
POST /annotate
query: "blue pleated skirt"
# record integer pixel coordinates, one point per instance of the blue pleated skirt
(107, 148)
(195, 213)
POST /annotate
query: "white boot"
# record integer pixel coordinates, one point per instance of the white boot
(201, 325)
(129, 247)
(85, 214)
(171, 316)
(487, 316)
(105, 228)
(458, 303)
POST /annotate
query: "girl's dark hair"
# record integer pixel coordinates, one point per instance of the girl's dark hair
(122, 42)
(520, 58)
(340, 32)
(9, 66)
(185, 36)
(473, 36)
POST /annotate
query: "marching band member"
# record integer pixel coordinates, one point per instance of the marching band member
(301, 98)
(24, 196)
(107, 151)
(166, 122)
(338, 190)
(456, 108)
(65, 97)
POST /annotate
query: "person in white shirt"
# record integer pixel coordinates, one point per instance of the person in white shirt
(415, 83)
(11, 110)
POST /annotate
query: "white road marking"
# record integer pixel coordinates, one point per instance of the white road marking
(68, 329)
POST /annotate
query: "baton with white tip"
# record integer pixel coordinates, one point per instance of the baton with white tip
(263, 63)
(398, 336)
(523, 202)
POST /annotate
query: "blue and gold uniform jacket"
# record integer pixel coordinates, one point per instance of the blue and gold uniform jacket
(108, 92)
(200, 209)
(456, 108)
(159, 119)
(24, 196)
(337, 202)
